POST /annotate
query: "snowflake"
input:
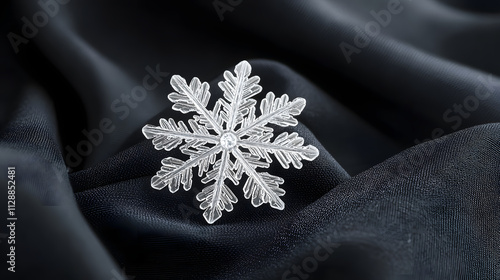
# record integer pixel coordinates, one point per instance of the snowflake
(232, 131)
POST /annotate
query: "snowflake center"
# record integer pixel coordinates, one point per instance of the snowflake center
(228, 140)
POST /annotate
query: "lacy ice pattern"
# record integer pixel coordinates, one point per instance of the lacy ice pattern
(228, 141)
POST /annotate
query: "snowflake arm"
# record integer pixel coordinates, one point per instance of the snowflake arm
(287, 148)
(238, 90)
(279, 111)
(193, 98)
(261, 187)
(217, 197)
(175, 172)
(169, 134)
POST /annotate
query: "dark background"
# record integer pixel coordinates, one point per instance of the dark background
(394, 209)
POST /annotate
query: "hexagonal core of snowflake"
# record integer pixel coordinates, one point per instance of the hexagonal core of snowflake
(228, 140)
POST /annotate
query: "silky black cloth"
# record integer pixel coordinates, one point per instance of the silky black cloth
(403, 104)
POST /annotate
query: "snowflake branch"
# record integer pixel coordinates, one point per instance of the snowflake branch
(277, 111)
(174, 170)
(184, 106)
(273, 147)
(151, 131)
(237, 96)
(220, 179)
(261, 189)
(287, 148)
(218, 196)
(170, 134)
(238, 90)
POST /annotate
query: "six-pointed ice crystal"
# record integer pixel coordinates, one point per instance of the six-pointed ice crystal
(228, 141)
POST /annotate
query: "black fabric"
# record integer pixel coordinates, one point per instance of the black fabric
(403, 103)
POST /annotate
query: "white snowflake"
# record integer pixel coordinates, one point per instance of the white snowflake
(242, 140)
